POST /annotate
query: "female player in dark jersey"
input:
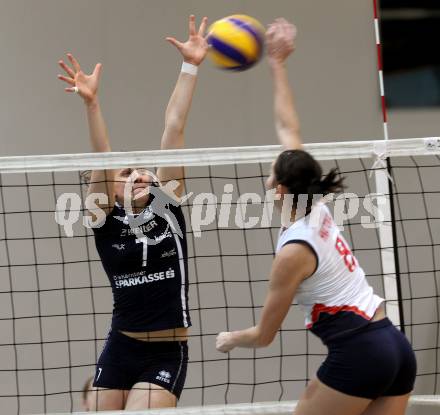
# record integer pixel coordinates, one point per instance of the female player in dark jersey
(142, 246)
(370, 368)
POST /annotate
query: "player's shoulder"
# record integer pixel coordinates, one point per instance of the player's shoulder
(115, 214)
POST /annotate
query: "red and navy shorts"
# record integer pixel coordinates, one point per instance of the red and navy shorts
(126, 361)
(375, 360)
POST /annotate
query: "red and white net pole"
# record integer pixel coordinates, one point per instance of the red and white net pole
(383, 188)
(380, 69)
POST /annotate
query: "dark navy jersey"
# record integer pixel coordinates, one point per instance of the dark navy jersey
(146, 262)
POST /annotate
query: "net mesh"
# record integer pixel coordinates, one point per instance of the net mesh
(55, 300)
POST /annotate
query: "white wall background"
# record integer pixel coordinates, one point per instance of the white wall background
(333, 72)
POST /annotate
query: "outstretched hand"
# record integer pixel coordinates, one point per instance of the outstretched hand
(280, 40)
(194, 50)
(85, 85)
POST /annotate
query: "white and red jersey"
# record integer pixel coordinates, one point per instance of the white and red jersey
(337, 297)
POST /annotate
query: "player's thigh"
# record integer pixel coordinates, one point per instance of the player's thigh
(102, 399)
(320, 399)
(145, 395)
(389, 405)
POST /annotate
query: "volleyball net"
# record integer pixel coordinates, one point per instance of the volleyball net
(56, 302)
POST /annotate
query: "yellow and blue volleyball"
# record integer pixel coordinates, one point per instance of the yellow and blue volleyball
(236, 42)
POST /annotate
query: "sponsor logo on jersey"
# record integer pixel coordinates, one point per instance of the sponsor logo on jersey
(168, 254)
(166, 234)
(164, 376)
(140, 229)
(119, 247)
(140, 278)
(327, 223)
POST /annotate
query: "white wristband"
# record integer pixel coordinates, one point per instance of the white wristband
(189, 68)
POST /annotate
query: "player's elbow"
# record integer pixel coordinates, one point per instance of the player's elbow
(174, 124)
(265, 338)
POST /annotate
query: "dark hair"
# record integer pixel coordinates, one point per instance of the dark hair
(302, 175)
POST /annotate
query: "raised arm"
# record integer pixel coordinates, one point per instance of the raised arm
(280, 39)
(193, 51)
(102, 181)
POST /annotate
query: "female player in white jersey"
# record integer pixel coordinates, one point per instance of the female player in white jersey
(143, 363)
(370, 368)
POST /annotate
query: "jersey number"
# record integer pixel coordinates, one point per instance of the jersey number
(144, 242)
(344, 251)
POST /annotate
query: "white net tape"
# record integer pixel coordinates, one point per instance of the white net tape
(260, 408)
(217, 156)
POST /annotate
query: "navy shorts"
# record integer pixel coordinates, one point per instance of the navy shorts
(376, 360)
(125, 361)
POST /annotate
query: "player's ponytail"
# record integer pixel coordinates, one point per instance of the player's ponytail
(302, 175)
(332, 183)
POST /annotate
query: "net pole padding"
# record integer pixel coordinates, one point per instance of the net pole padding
(259, 408)
(386, 244)
(213, 156)
(397, 274)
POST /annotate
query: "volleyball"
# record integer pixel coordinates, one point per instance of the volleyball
(236, 42)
